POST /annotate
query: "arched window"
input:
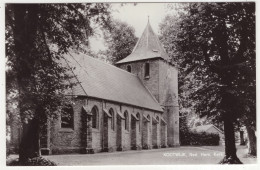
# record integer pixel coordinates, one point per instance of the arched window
(126, 120)
(95, 117)
(157, 118)
(111, 112)
(67, 117)
(138, 116)
(146, 70)
(129, 68)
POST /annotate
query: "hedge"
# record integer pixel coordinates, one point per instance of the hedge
(200, 138)
(188, 137)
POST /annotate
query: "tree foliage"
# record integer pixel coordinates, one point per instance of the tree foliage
(214, 47)
(37, 36)
(193, 40)
(120, 40)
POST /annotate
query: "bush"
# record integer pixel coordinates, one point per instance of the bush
(188, 137)
(37, 161)
(200, 138)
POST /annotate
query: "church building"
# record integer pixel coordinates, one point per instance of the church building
(130, 106)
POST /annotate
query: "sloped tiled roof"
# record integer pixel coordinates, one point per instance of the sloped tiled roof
(147, 47)
(101, 80)
(204, 128)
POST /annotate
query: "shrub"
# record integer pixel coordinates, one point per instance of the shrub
(188, 137)
(200, 138)
(37, 161)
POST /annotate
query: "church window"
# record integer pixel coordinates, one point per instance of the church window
(67, 117)
(148, 117)
(111, 112)
(146, 70)
(129, 68)
(94, 112)
(126, 120)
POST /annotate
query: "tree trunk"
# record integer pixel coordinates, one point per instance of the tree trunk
(230, 145)
(242, 141)
(25, 30)
(30, 145)
(252, 150)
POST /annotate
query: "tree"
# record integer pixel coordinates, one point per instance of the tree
(37, 35)
(214, 46)
(120, 40)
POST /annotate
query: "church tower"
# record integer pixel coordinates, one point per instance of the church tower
(151, 64)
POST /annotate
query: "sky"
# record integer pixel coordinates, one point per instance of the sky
(136, 16)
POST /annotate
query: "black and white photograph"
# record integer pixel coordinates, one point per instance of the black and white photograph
(129, 83)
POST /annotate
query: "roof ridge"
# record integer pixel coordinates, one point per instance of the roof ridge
(98, 60)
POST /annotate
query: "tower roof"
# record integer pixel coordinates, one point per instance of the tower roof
(147, 47)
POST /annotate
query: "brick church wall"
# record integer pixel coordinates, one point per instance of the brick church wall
(64, 140)
(67, 140)
(168, 89)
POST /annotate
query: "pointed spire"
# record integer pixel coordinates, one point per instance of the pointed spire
(147, 47)
(148, 18)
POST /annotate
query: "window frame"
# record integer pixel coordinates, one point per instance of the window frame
(96, 115)
(147, 70)
(111, 111)
(71, 123)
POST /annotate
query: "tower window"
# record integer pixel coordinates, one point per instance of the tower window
(146, 70)
(129, 68)
(67, 117)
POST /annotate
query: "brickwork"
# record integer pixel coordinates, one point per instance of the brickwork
(67, 140)
(163, 133)
(146, 134)
(154, 135)
(119, 133)
(150, 82)
(82, 138)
